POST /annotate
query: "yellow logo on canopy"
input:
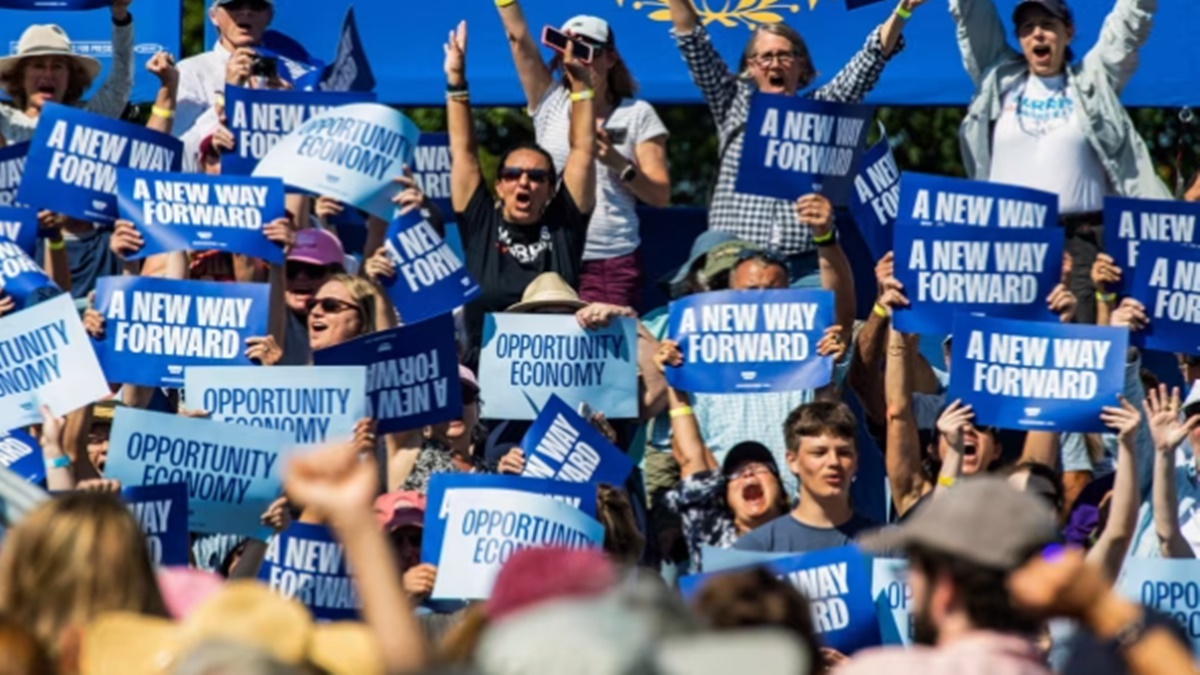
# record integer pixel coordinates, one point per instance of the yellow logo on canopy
(728, 13)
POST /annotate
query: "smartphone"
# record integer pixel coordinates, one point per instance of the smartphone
(264, 67)
(618, 135)
(561, 42)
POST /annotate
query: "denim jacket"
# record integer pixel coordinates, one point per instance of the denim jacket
(995, 68)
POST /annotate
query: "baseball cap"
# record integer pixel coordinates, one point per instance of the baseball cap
(723, 257)
(534, 576)
(317, 247)
(591, 27)
(1191, 405)
(701, 245)
(405, 508)
(1057, 8)
(982, 521)
(748, 451)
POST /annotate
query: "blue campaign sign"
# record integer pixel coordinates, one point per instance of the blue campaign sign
(717, 559)
(350, 70)
(412, 373)
(162, 511)
(992, 272)
(431, 169)
(47, 361)
(157, 26)
(1037, 376)
(352, 153)
(12, 167)
(260, 118)
(232, 472)
(1167, 282)
(1170, 586)
(430, 279)
(21, 454)
(193, 212)
(751, 341)
(74, 157)
(795, 146)
(837, 583)
(485, 527)
(876, 197)
(561, 445)
(941, 200)
(20, 226)
(22, 279)
(314, 404)
(307, 563)
(1129, 222)
(154, 328)
(581, 496)
(527, 357)
(893, 599)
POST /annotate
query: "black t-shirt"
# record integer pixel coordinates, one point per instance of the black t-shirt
(505, 258)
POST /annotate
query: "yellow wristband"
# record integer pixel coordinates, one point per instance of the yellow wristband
(823, 238)
(905, 14)
(1106, 297)
(505, 3)
(58, 245)
(585, 95)
(880, 311)
(162, 112)
(946, 481)
(681, 411)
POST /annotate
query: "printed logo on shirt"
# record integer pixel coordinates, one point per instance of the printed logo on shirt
(1041, 116)
(525, 253)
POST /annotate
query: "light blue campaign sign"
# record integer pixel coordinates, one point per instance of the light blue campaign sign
(45, 359)
(561, 445)
(412, 373)
(74, 157)
(876, 197)
(431, 169)
(1167, 282)
(1170, 586)
(260, 118)
(989, 271)
(940, 200)
(796, 146)
(155, 328)
(306, 563)
(893, 600)
(352, 154)
(162, 511)
(22, 279)
(1037, 376)
(837, 583)
(751, 341)
(717, 559)
(12, 168)
(20, 226)
(193, 212)
(21, 454)
(1129, 222)
(430, 279)
(581, 496)
(527, 357)
(485, 527)
(314, 404)
(232, 472)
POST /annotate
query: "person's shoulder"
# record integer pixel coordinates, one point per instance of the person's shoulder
(203, 60)
(885, 660)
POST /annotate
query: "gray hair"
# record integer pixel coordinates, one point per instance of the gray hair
(223, 657)
(807, 72)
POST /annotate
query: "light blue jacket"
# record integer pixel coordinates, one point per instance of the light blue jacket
(995, 67)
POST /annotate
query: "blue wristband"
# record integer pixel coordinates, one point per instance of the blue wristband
(59, 463)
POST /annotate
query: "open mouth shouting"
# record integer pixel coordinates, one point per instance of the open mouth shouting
(523, 201)
(1042, 54)
(754, 496)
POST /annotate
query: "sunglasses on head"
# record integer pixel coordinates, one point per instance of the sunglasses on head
(761, 254)
(295, 269)
(330, 305)
(512, 173)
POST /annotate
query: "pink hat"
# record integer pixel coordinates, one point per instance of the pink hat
(468, 377)
(405, 508)
(183, 589)
(317, 247)
(536, 575)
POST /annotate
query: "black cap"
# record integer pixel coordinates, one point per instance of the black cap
(1056, 7)
(749, 451)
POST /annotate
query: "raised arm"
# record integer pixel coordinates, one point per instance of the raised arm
(1125, 30)
(465, 175)
(1114, 540)
(579, 174)
(903, 455)
(1162, 416)
(536, 78)
(162, 114)
(951, 425)
(709, 71)
(861, 73)
(981, 36)
(892, 28)
(112, 97)
(687, 445)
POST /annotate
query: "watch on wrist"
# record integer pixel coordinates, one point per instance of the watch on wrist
(629, 174)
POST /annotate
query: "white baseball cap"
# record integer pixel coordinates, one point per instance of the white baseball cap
(591, 27)
(1192, 405)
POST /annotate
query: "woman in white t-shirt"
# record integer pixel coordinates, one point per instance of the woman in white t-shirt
(631, 149)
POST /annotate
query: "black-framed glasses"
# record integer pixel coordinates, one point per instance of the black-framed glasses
(513, 173)
(295, 269)
(785, 59)
(330, 305)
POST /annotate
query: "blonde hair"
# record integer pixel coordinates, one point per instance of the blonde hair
(365, 295)
(71, 559)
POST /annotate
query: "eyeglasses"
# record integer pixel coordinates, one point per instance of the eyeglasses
(513, 173)
(785, 59)
(330, 305)
(747, 472)
(295, 269)
(252, 5)
(768, 255)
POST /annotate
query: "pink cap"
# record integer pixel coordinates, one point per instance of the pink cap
(468, 377)
(405, 508)
(183, 589)
(317, 247)
(536, 575)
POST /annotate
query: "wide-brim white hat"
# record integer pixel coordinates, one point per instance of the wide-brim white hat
(47, 40)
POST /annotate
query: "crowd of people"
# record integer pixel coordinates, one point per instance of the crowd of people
(1013, 552)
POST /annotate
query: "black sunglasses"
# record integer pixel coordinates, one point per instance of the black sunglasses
(252, 5)
(510, 173)
(330, 305)
(295, 269)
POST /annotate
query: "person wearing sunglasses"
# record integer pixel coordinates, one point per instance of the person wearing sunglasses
(632, 150)
(534, 224)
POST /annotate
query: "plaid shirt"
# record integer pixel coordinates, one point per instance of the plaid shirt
(699, 501)
(764, 221)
